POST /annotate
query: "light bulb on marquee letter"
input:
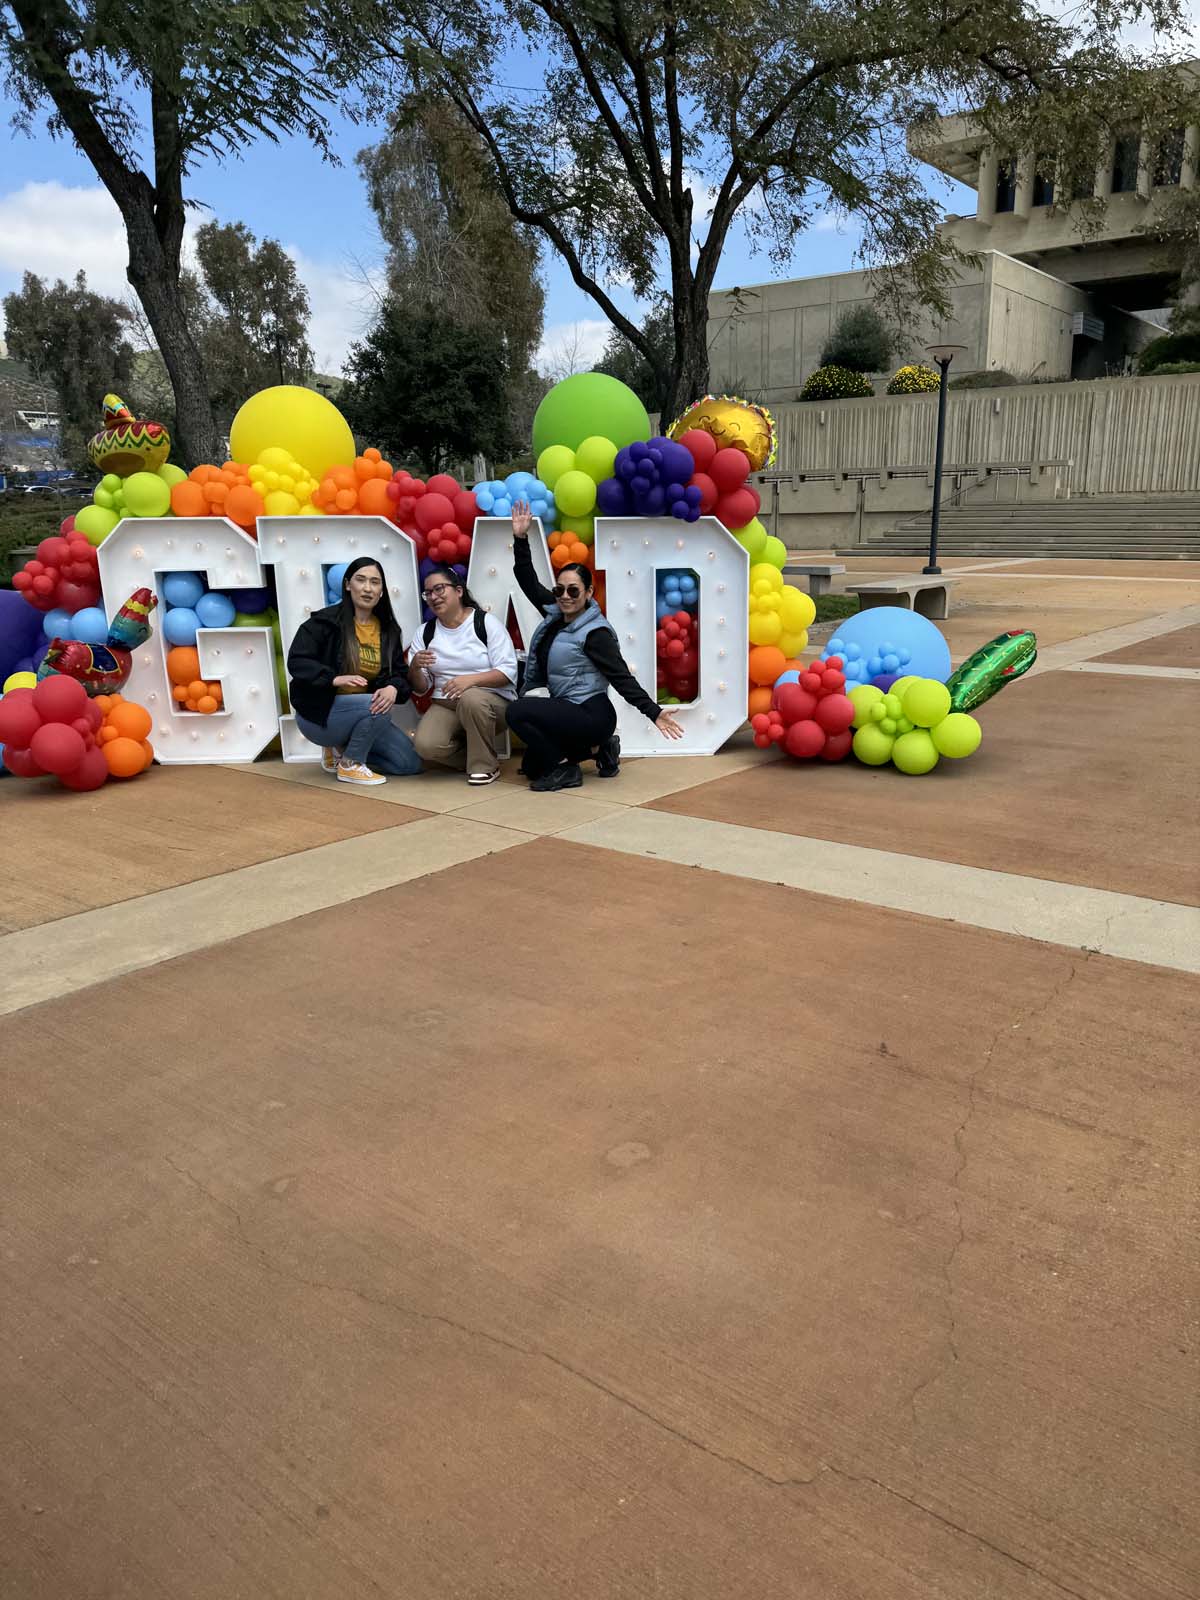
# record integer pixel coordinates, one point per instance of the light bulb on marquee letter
(133, 556)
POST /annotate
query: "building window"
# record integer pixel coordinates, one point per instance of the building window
(1043, 181)
(1169, 166)
(1125, 164)
(1006, 186)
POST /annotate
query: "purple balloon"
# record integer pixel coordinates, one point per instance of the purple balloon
(654, 501)
(886, 680)
(612, 498)
(20, 631)
(677, 461)
(692, 494)
(638, 450)
(626, 466)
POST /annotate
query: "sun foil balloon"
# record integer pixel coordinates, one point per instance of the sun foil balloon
(740, 423)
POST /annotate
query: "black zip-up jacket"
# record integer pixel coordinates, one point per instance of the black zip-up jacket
(315, 660)
(600, 646)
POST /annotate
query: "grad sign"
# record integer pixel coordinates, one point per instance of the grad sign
(630, 553)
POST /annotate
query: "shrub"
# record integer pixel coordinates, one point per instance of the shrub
(1167, 350)
(997, 379)
(1172, 369)
(915, 379)
(859, 342)
(835, 383)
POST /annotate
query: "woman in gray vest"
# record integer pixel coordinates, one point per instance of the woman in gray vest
(574, 654)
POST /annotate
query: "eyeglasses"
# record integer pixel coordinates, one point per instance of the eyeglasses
(434, 590)
(571, 590)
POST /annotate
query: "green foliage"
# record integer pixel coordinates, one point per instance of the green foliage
(1168, 350)
(995, 379)
(27, 519)
(859, 342)
(427, 392)
(835, 607)
(835, 383)
(916, 378)
(1174, 369)
(77, 343)
(624, 360)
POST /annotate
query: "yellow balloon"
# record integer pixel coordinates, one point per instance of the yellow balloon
(765, 628)
(279, 503)
(301, 422)
(792, 643)
(20, 680)
(309, 510)
(796, 608)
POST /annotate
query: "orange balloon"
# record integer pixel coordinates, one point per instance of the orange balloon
(103, 701)
(179, 693)
(579, 552)
(243, 504)
(766, 663)
(187, 499)
(125, 757)
(207, 705)
(105, 734)
(759, 702)
(131, 721)
(559, 557)
(345, 499)
(183, 664)
(215, 492)
(204, 473)
(213, 689)
(149, 749)
(195, 690)
(342, 478)
(373, 498)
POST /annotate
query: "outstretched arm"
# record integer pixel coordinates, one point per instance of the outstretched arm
(532, 587)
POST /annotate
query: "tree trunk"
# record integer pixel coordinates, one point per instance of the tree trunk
(689, 370)
(157, 287)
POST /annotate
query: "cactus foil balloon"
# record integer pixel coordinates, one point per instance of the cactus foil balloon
(999, 662)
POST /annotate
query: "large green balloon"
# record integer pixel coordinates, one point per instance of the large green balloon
(587, 404)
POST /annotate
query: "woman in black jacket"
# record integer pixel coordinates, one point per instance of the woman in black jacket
(347, 672)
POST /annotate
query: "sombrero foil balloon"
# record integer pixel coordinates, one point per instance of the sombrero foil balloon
(747, 427)
(103, 668)
(126, 444)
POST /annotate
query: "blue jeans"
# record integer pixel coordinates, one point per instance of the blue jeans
(371, 741)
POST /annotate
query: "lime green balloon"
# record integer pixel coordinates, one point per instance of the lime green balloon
(584, 528)
(587, 405)
(553, 462)
(171, 474)
(575, 493)
(862, 698)
(146, 495)
(956, 736)
(111, 482)
(915, 752)
(95, 523)
(596, 456)
(753, 537)
(926, 702)
(904, 725)
(872, 746)
(774, 551)
(244, 619)
(901, 685)
(104, 497)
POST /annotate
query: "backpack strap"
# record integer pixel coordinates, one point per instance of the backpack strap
(481, 626)
(427, 631)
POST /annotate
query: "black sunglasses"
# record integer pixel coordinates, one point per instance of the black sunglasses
(571, 590)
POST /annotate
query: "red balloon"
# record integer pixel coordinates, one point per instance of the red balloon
(67, 526)
(729, 469)
(688, 662)
(19, 719)
(463, 543)
(708, 491)
(431, 511)
(91, 772)
(794, 703)
(60, 699)
(94, 716)
(837, 746)
(834, 713)
(738, 508)
(833, 682)
(54, 551)
(761, 722)
(442, 483)
(74, 597)
(701, 446)
(465, 509)
(835, 662)
(804, 740)
(21, 763)
(43, 584)
(675, 647)
(57, 748)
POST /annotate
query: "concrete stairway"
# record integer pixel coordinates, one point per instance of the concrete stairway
(1129, 527)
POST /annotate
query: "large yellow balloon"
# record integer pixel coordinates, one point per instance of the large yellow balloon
(310, 428)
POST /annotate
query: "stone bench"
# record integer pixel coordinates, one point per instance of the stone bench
(819, 577)
(929, 596)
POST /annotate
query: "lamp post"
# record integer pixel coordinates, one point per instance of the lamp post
(943, 354)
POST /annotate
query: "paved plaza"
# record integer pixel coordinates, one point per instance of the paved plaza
(739, 1179)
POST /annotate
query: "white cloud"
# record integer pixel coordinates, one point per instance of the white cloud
(343, 298)
(54, 229)
(568, 347)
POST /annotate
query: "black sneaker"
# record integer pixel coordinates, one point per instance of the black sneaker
(566, 776)
(608, 757)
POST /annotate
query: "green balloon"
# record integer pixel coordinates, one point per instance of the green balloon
(552, 463)
(95, 523)
(862, 698)
(585, 405)
(753, 537)
(915, 752)
(575, 493)
(926, 702)
(596, 456)
(243, 619)
(171, 474)
(146, 495)
(872, 746)
(956, 736)
(774, 551)
(584, 528)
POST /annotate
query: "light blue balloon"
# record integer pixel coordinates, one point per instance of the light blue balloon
(215, 610)
(662, 609)
(790, 676)
(518, 482)
(502, 506)
(179, 625)
(183, 588)
(334, 579)
(485, 500)
(90, 626)
(917, 644)
(56, 624)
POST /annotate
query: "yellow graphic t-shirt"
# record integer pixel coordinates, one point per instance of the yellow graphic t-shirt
(368, 654)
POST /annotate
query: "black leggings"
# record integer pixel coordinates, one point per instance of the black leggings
(554, 731)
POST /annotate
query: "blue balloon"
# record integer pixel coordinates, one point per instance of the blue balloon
(334, 579)
(865, 640)
(179, 625)
(791, 676)
(56, 624)
(502, 506)
(183, 588)
(663, 609)
(485, 500)
(90, 626)
(215, 610)
(518, 482)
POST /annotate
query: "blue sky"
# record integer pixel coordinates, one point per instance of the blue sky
(56, 218)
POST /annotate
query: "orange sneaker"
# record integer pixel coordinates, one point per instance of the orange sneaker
(329, 759)
(355, 772)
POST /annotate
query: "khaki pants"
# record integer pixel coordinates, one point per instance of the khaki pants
(475, 719)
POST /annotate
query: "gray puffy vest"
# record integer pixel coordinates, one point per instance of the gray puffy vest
(571, 675)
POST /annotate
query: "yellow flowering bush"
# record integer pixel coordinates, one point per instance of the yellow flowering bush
(914, 379)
